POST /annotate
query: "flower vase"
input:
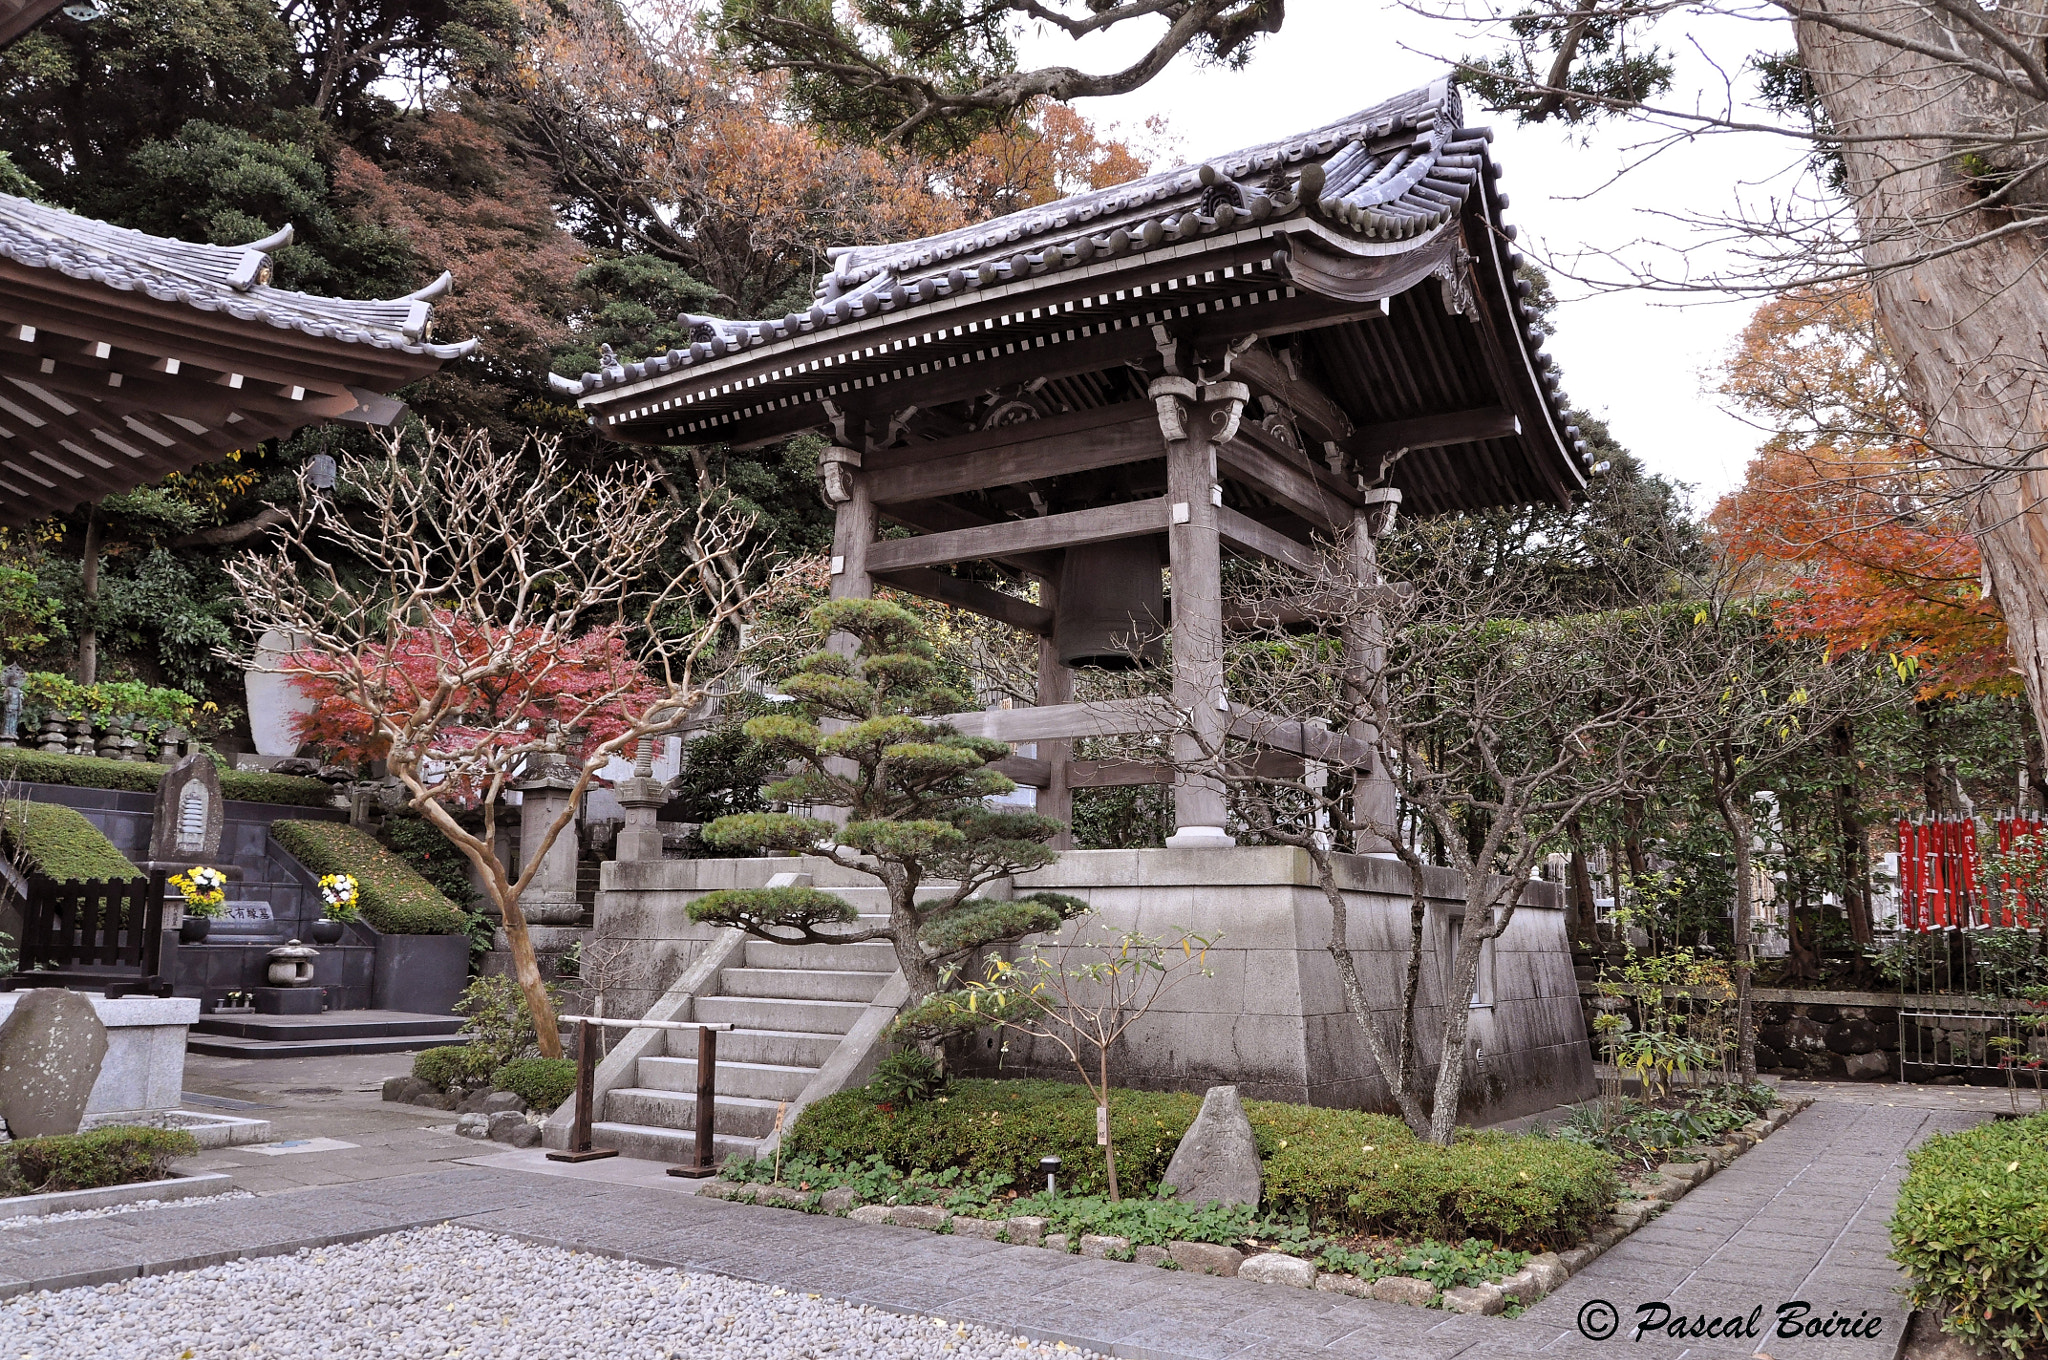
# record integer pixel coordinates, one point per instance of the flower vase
(327, 930)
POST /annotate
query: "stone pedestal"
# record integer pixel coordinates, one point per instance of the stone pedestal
(551, 898)
(641, 797)
(144, 1067)
(290, 1000)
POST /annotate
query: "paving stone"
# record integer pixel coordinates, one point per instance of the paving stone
(989, 1229)
(1057, 1242)
(1272, 1267)
(870, 1213)
(1330, 1282)
(926, 1216)
(1206, 1258)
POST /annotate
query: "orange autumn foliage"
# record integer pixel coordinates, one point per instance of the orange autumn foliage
(1845, 510)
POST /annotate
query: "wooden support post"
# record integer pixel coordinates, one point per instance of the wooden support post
(580, 1149)
(1365, 652)
(1194, 551)
(853, 532)
(1055, 686)
(707, 1108)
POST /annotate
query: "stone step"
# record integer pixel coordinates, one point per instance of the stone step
(760, 1012)
(330, 1025)
(759, 1081)
(802, 984)
(229, 1046)
(655, 1144)
(770, 1047)
(876, 956)
(741, 1116)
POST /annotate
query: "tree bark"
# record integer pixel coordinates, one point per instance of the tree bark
(1585, 921)
(1450, 1069)
(1855, 840)
(89, 591)
(1968, 324)
(1736, 818)
(1394, 1063)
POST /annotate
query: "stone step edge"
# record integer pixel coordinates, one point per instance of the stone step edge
(1544, 1274)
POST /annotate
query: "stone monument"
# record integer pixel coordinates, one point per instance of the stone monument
(186, 822)
(275, 702)
(1218, 1157)
(551, 898)
(10, 704)
(51, 1048)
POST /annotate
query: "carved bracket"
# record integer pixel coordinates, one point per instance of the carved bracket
(837, 466)
(1454, 279)
(1168, 394)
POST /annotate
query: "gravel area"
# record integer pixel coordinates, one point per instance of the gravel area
(108, 1211)
(454, 1291)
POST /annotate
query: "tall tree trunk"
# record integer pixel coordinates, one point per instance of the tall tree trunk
(1735, 816)
(1967, 325)
(1395, 1063)
(89, 591)
(1450, 1070)
(1585, 922)
(1855, 843)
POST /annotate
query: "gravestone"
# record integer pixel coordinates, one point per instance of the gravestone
(187, 820)
(51, 1049)
(1218, 1158)
(275, 703)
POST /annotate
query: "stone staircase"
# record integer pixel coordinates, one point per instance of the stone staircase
(792, 1008)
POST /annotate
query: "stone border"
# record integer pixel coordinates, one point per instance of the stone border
(210, 1130)
(1544, 1274)
(105, 1196)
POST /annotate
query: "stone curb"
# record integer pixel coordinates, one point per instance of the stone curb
(1543, 1275)
(108, 1196)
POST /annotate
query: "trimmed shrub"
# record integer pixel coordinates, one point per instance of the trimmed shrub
(91, 772)
(395, 899)
(542, 1083)
(118, 1155)
(1342, 1170)
(59, 843)
(1971, 1228)
(420, 843)
(447, 1066)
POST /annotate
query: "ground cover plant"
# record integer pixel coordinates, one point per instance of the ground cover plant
(118, 1155)
(92, 772)
(1971, 1229)
(1641, 1134)
(59, 843)
(1344, 1174)
(394, 898)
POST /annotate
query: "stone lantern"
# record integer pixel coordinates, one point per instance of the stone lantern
(291, 965)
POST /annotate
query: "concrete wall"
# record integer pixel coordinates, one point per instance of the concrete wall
(1272, 1018)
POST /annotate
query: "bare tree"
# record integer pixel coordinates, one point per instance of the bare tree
(1495, 722)
(473, 618)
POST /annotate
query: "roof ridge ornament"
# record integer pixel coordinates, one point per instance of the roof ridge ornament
(439, 288)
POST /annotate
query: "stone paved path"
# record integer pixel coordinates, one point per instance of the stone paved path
(1800, 1217)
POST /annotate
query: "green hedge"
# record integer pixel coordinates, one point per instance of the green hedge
(1342, 1169)
(90, 772)
(542, 1083)
(1971, 1228)
(58, 842)
(447, 1066)
(394, 898)
(119, 1155)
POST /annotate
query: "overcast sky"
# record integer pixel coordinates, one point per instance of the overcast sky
(1646, 362)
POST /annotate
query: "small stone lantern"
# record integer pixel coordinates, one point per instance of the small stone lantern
(291, 964)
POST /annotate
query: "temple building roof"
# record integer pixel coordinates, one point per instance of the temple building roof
(18, 16)
(125, 357)
(1312, 249)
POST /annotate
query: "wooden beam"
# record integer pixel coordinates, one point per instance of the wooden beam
(1304, 739)
(1027, 454)
(1112, 718)
(940, 517)
(1032, 774)
(1291, 486)
(1322, 418)
(970, 595)
(1101, 525)
(1431, 432)
(1243, 532)
(1118, 774)
(1005, 436)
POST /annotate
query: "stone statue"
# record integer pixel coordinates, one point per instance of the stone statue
(10, 707)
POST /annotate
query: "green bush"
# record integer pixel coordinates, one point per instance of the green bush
(497, 1020)
(1338, 1170)
(542, 1083)
(59, 843)
(420, 843)
(91, 772)
(119, 1155)
(395, 899)
(1971, 1228)
(449, 1065)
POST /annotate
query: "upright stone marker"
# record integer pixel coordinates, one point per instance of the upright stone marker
(275, 703)
(188, 816)
(1218, 1158)
(51, 1049)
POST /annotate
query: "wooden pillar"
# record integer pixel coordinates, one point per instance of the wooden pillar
(1055, 686)
(1194, 551)
(853, 531)
(1365, 652)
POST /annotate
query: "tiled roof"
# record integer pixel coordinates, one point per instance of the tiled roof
(233, 280)
(1390, 175)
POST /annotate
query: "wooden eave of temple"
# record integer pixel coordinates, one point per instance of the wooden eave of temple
(125, 357)
(19, 16)
(1367, 262)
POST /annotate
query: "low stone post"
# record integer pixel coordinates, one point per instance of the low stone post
(641, 797)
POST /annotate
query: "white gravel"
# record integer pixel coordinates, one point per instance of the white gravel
(453, 1291)
(108, 1211)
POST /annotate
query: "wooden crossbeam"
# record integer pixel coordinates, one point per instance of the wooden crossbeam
(1303, 739)
(1024, 770)
(1125, 433)
(1124, 774)
(1244, 532)
(1290, 485)
(970, 595)
(1431, 432)
(1115, 717)
(1323, 418)
(1101, 525)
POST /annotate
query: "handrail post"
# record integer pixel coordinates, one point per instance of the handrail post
(707, 1105)
(580, 1149)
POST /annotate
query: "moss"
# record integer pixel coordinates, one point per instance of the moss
(59, 843)
(395, 899)
(91, 772)
(120, 1155)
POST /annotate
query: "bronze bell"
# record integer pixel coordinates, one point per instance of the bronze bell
(1111, 611)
